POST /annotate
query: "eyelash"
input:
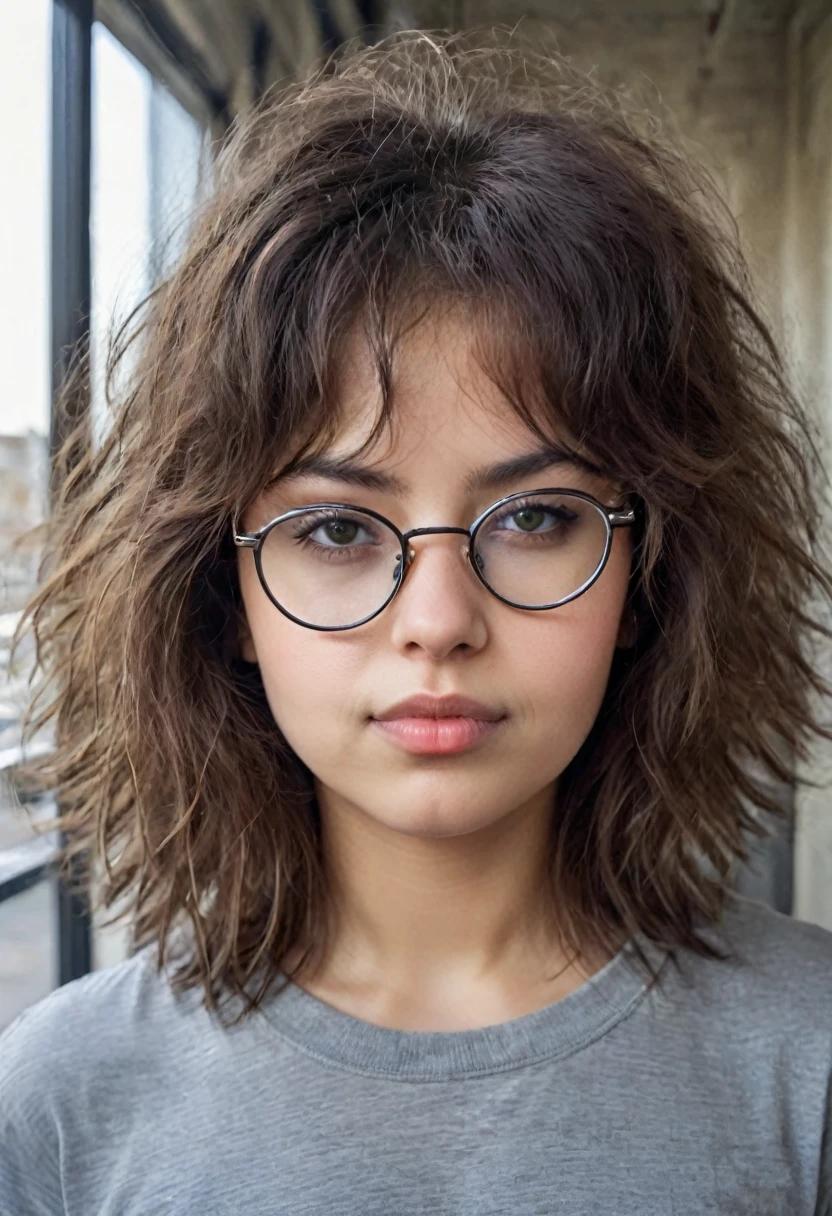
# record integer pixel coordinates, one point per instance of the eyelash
(328, 552)
(309, 526)
(523, 504)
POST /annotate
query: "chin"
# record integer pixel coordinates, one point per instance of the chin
(433, 820)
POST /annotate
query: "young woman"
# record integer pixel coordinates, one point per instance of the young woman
(423, 641)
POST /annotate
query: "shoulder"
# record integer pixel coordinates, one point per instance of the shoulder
(770, 942)
(93, 1023)
(75, 1066)
(778, 973)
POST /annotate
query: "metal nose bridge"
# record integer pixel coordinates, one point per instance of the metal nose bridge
(429, 532)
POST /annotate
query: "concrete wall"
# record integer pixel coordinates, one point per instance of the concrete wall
(807, 307)
(719, 77)
(807, 246)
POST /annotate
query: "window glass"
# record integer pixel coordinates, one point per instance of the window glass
(27, 921)
(150, 165)
(28, 949)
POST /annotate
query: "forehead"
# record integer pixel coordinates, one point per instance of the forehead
(443, 424)
(441, 398)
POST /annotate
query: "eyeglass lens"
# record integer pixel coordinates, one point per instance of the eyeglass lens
(333, 567)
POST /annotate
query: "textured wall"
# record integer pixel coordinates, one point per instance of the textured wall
(807, 295)
(718, 71)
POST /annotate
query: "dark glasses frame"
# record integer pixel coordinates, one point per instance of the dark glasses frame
(614, 517)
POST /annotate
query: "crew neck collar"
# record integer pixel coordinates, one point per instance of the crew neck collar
(558, 1029)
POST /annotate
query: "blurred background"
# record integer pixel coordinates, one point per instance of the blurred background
(113, 111)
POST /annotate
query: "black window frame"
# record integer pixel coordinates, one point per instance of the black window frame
(70, 290)
(69, 277)
(36, 861)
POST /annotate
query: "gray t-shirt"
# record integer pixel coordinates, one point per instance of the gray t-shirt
(707, 1094)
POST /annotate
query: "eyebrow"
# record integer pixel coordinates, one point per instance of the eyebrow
(490, 477)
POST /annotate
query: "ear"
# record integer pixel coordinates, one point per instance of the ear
(627, 630)
(245, 642)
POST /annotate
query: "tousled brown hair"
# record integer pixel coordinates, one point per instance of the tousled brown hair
(603, 280)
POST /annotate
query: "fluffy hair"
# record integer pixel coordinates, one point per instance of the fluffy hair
(610, 302)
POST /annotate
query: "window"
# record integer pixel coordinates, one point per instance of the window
(148, 165)
(27, 917)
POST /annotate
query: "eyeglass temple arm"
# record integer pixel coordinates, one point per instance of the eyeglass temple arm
(618, 519)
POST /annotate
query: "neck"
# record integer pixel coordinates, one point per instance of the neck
(427, 929)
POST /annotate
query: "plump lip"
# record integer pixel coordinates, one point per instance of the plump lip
(425, 706)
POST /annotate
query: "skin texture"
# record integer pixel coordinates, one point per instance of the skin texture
(435, 861)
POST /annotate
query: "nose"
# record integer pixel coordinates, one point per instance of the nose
(440, 607)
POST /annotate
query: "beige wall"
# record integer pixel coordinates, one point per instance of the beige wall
(807, 247)
(807, 306)
(724, 91)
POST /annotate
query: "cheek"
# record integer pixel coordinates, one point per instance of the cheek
(565, 671)
(560, 661)
(305, 673)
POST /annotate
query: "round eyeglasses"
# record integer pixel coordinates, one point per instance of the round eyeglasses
(331, 566)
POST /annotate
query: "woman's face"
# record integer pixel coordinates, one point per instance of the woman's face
(444, 634)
